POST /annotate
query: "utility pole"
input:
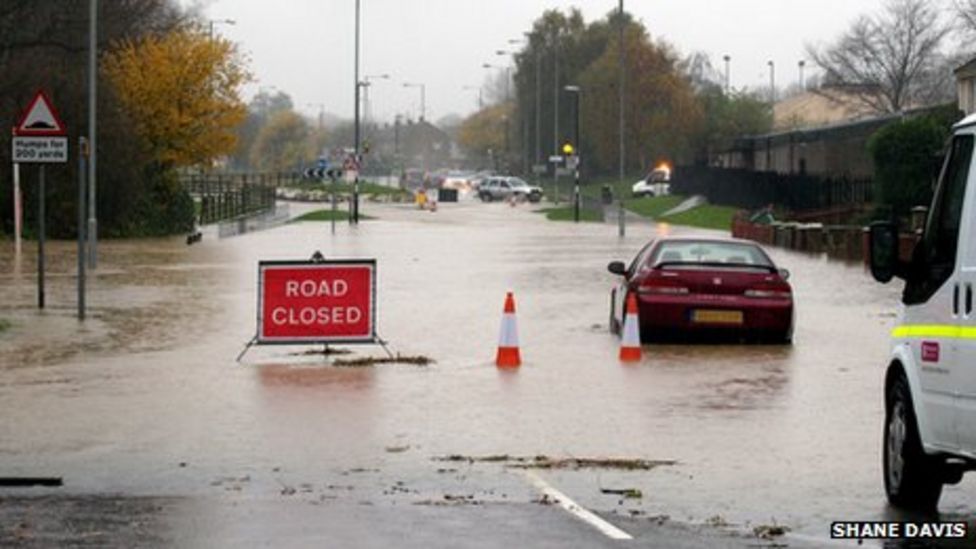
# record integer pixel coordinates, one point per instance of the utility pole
(726, 58)
(92, 130)
(354, 214)
(555, 114)
(621, 75)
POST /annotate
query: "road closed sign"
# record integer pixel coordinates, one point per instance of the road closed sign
(317, 301)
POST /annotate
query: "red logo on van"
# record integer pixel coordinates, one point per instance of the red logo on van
(930, 351)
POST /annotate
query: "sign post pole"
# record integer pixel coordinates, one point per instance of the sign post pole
(40, 240)
(18, 210)
(83, 150)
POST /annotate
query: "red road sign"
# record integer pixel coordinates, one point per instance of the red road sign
(317, 302)
(40, 119)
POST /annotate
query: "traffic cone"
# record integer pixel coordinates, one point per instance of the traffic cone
(508, 346)
(630, 346)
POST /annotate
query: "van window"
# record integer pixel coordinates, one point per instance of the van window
(935, 257)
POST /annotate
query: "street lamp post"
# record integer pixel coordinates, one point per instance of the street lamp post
(772, 82)
(92, 131)
(801, 63)
(354, 218)
(478, 89)
(423, 97)
(576, 186)
(367, 110)
(726, 58)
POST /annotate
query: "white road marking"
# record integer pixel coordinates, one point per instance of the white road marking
(575, 509)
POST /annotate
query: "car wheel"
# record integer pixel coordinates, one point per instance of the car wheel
(486, 197)
(913, 480)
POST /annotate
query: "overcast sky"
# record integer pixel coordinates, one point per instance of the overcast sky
(305, 47)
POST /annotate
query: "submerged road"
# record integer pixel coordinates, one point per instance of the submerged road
(163, 439)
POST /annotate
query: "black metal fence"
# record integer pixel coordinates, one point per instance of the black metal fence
(227, 196)
(753, 190)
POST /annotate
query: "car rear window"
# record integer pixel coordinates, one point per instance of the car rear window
(690, 253)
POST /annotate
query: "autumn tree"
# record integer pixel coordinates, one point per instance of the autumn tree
(284, 143)
(181, 89)
(889, 61)
(662, 113)
(482, 134)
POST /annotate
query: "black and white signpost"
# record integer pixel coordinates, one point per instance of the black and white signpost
(40, 138)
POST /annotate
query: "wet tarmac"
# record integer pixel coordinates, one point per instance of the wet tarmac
(144, 400)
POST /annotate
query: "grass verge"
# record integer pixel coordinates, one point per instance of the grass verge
(566, 214)
(327, 215)
(705, 217)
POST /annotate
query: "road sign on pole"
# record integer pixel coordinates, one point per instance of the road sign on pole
(39, 137)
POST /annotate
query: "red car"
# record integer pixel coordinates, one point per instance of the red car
(701, 286)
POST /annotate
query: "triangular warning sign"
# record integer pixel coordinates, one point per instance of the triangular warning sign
(41, 119)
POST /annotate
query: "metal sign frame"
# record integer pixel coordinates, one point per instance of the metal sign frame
(372, 337)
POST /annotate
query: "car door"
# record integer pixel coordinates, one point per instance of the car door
(963, 366)
(623, 286)
(933, 300)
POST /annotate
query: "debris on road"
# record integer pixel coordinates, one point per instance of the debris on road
(546, 462)
(627, 493)
(19, 482)
(397, 449)
(373, 361)
(766, 531)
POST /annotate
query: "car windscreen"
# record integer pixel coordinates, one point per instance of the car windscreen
(692, 254)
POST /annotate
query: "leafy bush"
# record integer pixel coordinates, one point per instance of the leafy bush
(906, 155)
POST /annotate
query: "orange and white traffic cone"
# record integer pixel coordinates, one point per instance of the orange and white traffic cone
(630, 345)
(508, 346)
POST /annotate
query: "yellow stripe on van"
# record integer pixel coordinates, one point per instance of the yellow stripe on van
(934, 330)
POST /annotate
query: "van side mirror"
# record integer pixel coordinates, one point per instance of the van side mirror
(617, 268)
(883, 251)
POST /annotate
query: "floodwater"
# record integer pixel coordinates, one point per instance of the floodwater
(145, 396)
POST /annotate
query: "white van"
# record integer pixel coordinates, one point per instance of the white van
(930, 384)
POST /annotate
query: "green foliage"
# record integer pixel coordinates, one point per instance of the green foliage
(327, 215)
(727, 117)
(906, 156)
(653, 206)
(166, 209)
(4, 325)
(565, 213)
(707, 216)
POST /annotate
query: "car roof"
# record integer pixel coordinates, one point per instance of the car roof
(717, 240)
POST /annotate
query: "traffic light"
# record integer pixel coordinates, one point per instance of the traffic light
(568, 149)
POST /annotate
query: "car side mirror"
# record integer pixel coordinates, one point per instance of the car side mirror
(617, 268)
(784, 274)
(883, 251)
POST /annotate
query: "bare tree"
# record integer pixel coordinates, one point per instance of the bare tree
(889, 61)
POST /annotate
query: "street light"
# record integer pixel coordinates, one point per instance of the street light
(219, 22)
(576, 189)
(801, 63)
(365, 84)
(508, 77)
(772, 81)
(423, 97)
(526, 153)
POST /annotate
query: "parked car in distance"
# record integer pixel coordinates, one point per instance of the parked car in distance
(503, 188)
(688, 287)
(656, 183)
(930, 379)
